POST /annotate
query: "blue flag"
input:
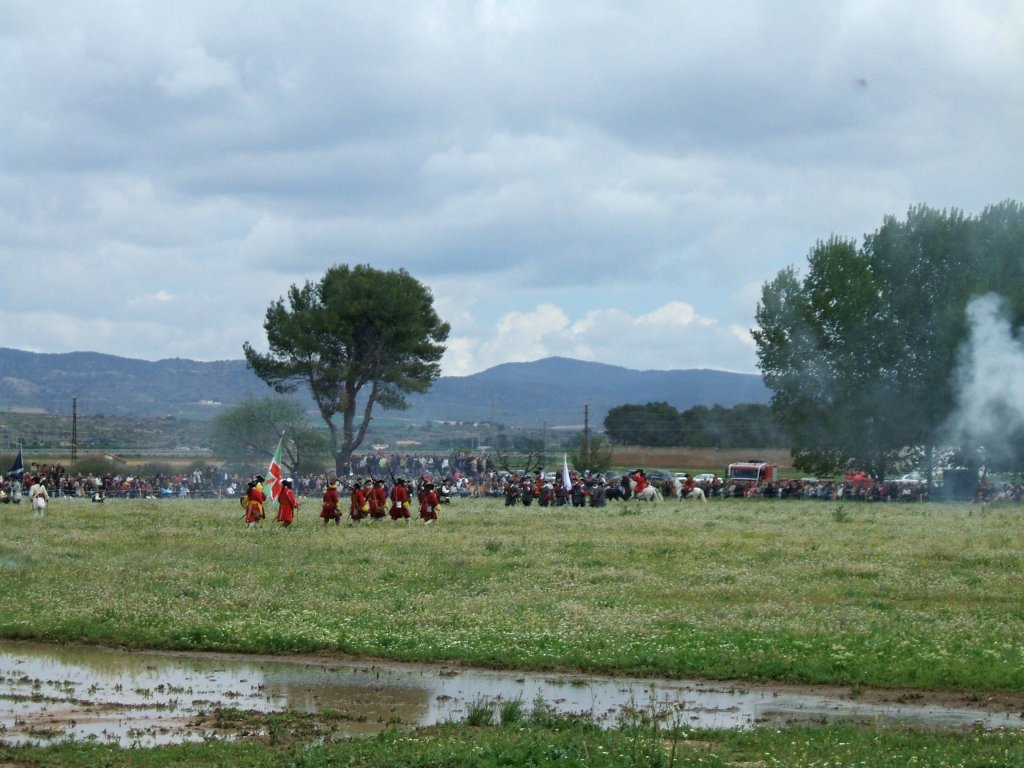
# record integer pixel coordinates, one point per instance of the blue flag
(18, 467)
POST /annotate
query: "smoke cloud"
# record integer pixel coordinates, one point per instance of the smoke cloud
(990, 372)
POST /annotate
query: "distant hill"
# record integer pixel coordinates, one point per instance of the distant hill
(551, 392)
(117, 386)
(554, 391)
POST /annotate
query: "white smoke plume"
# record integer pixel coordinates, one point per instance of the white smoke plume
(990, 372)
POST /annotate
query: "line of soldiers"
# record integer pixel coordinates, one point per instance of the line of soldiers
(582, 491)
(371, 500)
(367, 500)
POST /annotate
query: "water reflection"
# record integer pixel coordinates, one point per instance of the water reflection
(53, 692)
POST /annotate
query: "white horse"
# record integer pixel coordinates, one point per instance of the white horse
(650, 493)
(697, 493)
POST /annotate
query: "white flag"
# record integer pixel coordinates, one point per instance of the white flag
(566, 480)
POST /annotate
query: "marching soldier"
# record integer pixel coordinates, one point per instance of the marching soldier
(378, 500)
(358, 505)
(254, 504)
(331, 509)
(429, 504)
(286, 503)
(399, 501)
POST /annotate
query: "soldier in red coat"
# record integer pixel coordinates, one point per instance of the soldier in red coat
(286, 503)
(688, 485)
(331, 509)
(399, 501)
(358, 505)
(640, 480)
(254, 505)
(378, 499)
(429, 504)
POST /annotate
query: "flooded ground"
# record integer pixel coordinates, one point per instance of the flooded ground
(146, 698)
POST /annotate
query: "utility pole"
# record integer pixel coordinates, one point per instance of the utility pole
(74, 429)
(586, 431)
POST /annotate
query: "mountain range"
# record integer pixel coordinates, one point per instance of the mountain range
(552, 392)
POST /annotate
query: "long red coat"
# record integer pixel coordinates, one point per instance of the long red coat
(378, 499)
(329, 510)
(358, 501)
(399, 502)
(254, 508)
(286, 505)
(429, 502)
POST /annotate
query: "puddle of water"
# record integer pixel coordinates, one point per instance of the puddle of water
(50, 693)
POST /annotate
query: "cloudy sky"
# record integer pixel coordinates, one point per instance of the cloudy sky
(610, 181)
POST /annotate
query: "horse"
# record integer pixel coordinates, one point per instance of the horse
(650, 493)
(696, 492)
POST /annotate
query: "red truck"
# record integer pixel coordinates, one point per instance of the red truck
(753, 471)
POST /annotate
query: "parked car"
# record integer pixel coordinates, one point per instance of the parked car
(911, 478)
(658, 475)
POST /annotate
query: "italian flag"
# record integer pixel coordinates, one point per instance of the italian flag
(272, 483)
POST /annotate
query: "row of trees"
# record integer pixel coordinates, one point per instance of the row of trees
(865, 353)
(660, 424)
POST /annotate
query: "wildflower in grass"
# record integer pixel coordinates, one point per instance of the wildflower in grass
(758, 595)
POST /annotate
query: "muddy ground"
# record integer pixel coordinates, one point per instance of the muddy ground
(144, 698)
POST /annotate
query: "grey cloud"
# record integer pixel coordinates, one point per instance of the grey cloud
(515, 154)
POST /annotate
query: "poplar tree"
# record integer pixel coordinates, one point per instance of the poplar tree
(862, 351)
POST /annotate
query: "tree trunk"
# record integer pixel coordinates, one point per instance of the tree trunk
(342, 462)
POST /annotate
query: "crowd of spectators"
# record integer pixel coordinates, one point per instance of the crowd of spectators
(1000, 492)
(469, 475)
(831, 490)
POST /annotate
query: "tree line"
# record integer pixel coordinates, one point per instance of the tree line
(661, 425)
(868, 353)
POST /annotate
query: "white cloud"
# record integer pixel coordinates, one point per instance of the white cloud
(670, 336)
(195, 73)
(157, 297)
(676, 313)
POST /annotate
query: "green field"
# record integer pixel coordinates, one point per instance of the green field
(924, 596)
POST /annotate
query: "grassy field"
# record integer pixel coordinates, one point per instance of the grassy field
(917, 595)
(922, 596)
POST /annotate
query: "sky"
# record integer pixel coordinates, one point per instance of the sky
(611, 181)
